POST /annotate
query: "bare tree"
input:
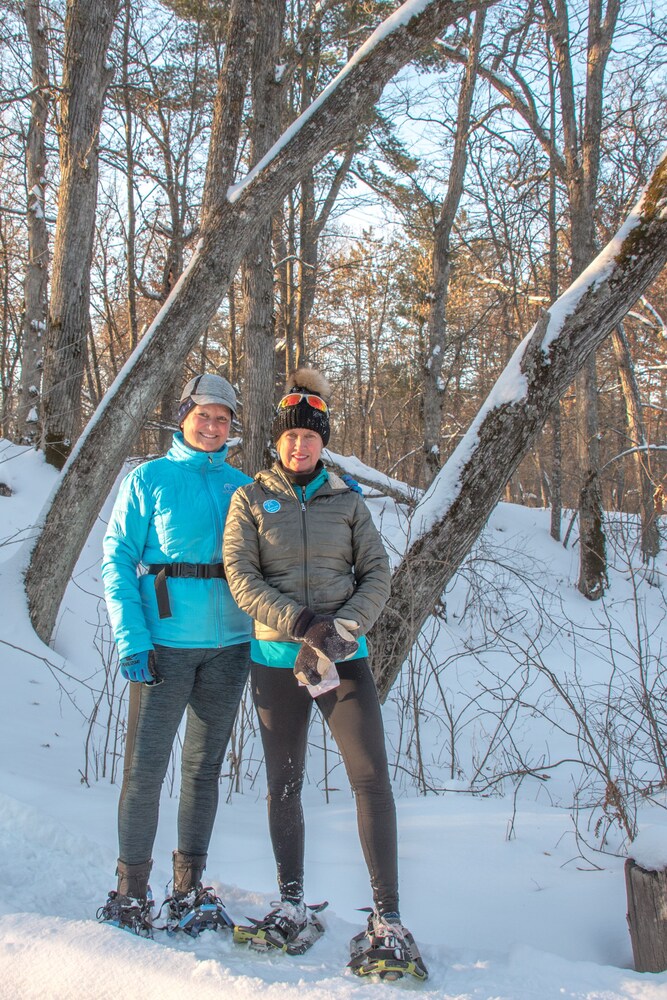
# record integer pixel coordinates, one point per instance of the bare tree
(258, 290)
(441, 263)
(36, 277)
(578, 165)
(582, 161)
(455, 508)
(230, 219)
(650, 536)
(86, 76)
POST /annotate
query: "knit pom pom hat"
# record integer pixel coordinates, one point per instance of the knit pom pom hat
(291, 414)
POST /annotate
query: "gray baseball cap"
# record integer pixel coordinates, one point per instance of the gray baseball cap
(205, 389)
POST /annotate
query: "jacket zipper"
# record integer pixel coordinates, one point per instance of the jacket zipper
(304, 532)
(219, 623)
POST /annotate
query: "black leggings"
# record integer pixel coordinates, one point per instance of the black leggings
(352, 712)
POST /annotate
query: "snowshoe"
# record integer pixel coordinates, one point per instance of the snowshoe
(128, 913)
(292, 928)
(386, 949)
(195, 911)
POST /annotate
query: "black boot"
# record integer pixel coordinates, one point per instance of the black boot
(188, 871)
(129, 906)
(192, 907)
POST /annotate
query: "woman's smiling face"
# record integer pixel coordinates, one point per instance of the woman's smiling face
(206, 428)
(300, 449)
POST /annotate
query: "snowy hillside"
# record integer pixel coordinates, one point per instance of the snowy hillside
(505, 890)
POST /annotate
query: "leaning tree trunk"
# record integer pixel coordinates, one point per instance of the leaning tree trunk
(86, 76)
(37, 271)
(452, 513)
(230, 218)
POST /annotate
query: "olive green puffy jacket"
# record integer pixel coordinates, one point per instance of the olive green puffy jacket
(282, 554)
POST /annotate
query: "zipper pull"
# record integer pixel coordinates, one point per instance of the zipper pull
(303, 498)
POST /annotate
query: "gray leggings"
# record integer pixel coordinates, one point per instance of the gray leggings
(209, 684)
(352, 712)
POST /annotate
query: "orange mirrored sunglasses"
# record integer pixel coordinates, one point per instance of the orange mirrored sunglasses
(293, 398)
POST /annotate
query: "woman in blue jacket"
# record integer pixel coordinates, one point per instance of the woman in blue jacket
(183, 645)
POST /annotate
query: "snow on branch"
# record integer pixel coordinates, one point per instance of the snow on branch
(400, 17)
(369, 476)
(576, 323)
(453, 511)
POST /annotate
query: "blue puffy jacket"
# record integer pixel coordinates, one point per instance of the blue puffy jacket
(172, 509)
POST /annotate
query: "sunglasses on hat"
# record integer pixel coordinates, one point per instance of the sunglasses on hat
(293, 398)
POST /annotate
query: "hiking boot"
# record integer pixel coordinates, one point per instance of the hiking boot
(386, 929)
(128, 913)
(286, 921)
(188, 871)
(195, 911)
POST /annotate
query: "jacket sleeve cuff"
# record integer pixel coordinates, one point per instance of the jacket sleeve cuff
(302, 623)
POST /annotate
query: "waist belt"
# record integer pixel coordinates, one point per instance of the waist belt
(186, 571)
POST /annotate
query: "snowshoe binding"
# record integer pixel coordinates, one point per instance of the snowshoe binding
(196, 911)
(292, 928)
(386, 949)
(128, 913)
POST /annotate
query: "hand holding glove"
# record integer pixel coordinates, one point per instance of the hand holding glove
(310, 666)
(139, 667)
(330, 637)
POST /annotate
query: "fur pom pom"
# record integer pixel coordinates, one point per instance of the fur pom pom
(308, 380)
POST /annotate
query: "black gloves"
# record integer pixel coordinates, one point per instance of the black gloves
(325, 640)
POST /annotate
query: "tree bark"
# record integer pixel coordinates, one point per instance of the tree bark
(556, 491)
(441, 264)
(474, 477)
(582, 162)
(130, 241)
(37, 271)
(647, 916)
(556, 475)
(229, 221)
(88, 27)
(578, 167)
(592, 543)
(257, 272)
(650, 535)
(310, 230)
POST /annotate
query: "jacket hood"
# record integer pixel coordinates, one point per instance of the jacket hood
(275, 480)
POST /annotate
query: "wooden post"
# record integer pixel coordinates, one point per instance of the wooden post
(647, 916)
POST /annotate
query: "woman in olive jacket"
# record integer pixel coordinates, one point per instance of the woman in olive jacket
(305, 561)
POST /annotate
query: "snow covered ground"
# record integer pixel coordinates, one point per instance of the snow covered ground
(504, 900)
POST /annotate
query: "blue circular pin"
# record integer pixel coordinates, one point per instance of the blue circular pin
(271, 506)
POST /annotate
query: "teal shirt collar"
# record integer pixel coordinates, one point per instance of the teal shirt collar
(180, 451)
(315, 484)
